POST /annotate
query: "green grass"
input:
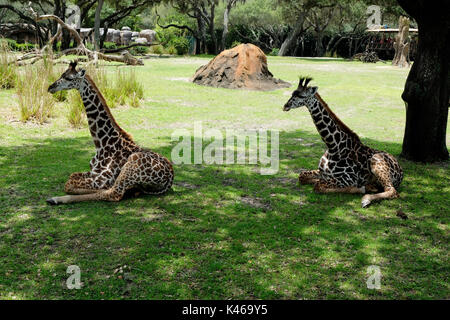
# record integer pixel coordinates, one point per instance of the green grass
(225, 231)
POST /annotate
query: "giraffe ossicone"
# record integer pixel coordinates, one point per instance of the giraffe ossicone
(119, 165)
(348, 166)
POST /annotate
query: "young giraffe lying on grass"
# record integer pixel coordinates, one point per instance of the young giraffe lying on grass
(348, 165)
(120, 164)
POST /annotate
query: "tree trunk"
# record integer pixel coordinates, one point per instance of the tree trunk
(319, 44)
(66, 39)
(401, 44)
(426, 96)
(201, 47)
(97, 25)
(212, 32)
(332, 41)
(226, 16)
(350, 45)
(105, 34)
(335, 45)
(427, 88)
(292, 37)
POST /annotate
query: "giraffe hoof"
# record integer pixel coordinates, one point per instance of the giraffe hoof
(365, 203)
(51, 201)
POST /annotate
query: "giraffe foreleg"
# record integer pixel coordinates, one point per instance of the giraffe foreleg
(130, 177)
(80, 183)
(115, 193)
(309, 177)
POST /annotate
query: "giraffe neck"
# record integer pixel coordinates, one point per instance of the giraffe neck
(336, 135)
(102, 125)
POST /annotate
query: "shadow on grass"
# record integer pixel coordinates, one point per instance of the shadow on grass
(321, 59)
(222, 232)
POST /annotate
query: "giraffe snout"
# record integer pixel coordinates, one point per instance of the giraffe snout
(51, 88)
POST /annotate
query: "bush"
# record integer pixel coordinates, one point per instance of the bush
(181, 45)
(89, 46)
(25, 46)
(35, 103)
(158, 49)
(274, 52)
(235, 44)
(8, 72)
(109, 45)
(171, 50)
(14, 46)
(76, 109)
(139, 50)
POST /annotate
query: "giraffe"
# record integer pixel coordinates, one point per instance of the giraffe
(119, 165)
(348, 166)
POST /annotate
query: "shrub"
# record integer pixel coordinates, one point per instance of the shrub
(25, 46)
(274, 52)
(171, 50)
(139, 50)
(14, 46)
(8, 72)
(158, 49)
(76, 109)
(89, 46)
(109, 45)
(235, 44)
(181, 45)
(35, 103)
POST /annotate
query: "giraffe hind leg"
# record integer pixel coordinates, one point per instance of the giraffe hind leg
(330, 186)
(381, 170)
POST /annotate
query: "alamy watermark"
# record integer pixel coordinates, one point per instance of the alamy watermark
(235, 147)
(374, 279)
(73, 16)
(74, 281)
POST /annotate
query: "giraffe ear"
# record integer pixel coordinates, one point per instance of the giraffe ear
(81, 72)
(312, 90)
(73, 65)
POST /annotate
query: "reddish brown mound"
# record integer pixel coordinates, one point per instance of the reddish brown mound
(242, 67)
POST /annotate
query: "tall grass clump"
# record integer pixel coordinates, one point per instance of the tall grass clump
(119, 87)
(8, 72)
(35, 103)
(76, 113)
(128, 89)
(52, 73)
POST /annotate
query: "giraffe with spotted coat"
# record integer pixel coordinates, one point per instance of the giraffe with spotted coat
(348, 166)
(119, 165)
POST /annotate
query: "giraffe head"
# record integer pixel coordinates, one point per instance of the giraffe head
(301, 95)
(70, 79)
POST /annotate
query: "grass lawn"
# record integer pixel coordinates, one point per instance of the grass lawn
(224, 231)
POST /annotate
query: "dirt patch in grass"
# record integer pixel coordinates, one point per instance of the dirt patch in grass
(186, 185)
(284, 181)
(255, 202)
